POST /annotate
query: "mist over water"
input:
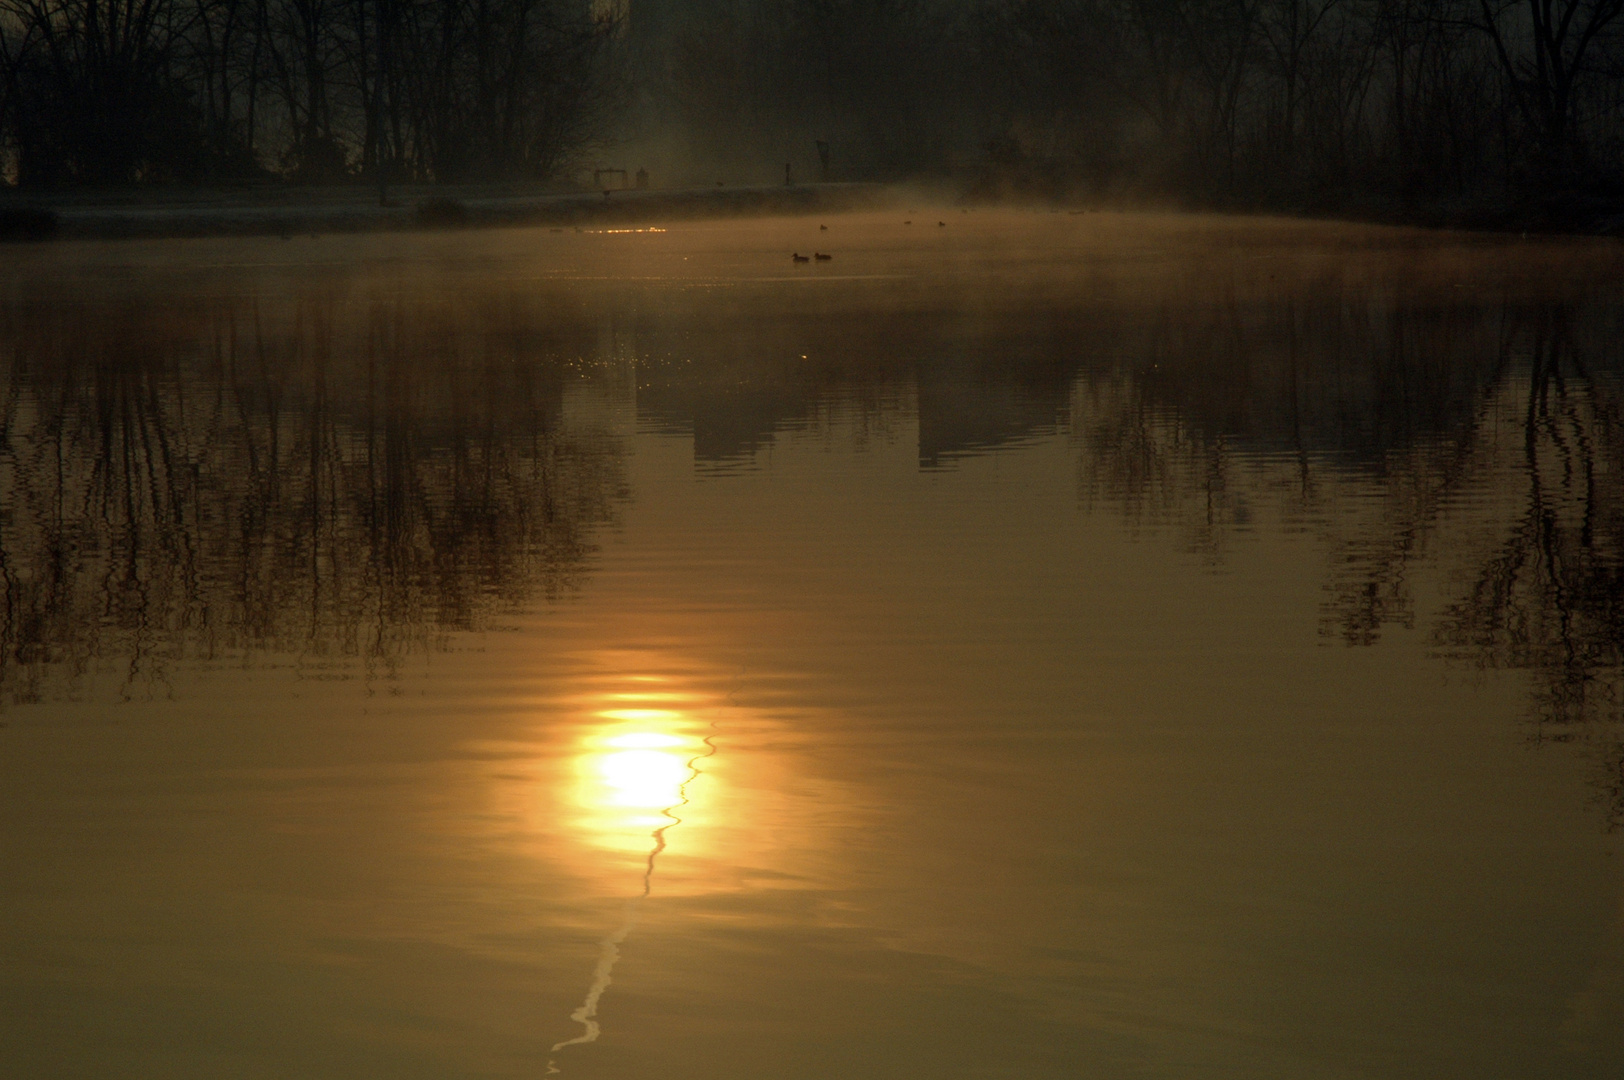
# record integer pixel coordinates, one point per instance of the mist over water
(1072, 644)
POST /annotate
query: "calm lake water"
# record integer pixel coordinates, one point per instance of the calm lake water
(1034, 645)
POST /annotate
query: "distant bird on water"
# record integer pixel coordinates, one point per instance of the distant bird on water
(798, 257)
(823, 228)
(821, 257)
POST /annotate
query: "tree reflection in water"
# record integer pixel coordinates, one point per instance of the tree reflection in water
(349, 481)
(340, 484)
(1484, 440)
(1547, 593)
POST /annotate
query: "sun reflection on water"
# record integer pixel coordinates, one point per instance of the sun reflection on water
(634, 772)
(667, 788)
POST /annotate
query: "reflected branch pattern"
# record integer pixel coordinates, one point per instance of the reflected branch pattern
(339, 483)
(1332, 411)
(1547, 592)
(1483, 441)
(344, 481)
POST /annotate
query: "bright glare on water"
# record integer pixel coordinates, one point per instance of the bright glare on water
(1038, 645)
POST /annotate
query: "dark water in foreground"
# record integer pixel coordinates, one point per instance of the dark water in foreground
(1030, 646)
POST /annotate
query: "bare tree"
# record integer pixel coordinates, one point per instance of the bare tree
(1547, 50)
(92, 95)
(1288, 29)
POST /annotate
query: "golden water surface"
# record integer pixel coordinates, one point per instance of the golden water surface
(1034, 645)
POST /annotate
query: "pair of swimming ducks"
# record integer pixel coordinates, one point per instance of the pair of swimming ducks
(818, 255)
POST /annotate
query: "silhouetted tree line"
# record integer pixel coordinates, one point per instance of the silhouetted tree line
(114, 91)
(1285, 97)
(1228, 99)
(1223, 99)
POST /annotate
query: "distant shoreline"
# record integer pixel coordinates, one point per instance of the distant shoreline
(286, 211)
(1555, 214)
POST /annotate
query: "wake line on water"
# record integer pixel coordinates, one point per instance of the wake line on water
(586, 1014)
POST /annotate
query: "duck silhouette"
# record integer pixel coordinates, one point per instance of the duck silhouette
(823, 228)
(798, 257)
(821, 257)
